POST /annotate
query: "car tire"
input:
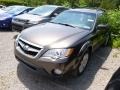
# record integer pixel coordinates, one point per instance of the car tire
(83, 63)
(10, 28)
(107, 40)
(113, 85)
(13, 30)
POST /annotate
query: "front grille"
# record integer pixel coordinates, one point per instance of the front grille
(17, 27)
(28, 48)
(20, 20)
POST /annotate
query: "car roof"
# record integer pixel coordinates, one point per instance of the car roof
(17, 6)
(22, 6)
(89, 10)
(30, 7)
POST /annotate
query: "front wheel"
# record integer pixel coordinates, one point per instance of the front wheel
(83, 63)
(107, 39)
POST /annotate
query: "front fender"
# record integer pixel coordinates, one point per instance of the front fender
(84, 47)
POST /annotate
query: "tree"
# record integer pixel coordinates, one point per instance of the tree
(108, 4)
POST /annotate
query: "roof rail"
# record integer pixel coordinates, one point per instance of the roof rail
(97, 8)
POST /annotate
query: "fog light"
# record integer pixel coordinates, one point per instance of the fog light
(4, 24)
(57, 71)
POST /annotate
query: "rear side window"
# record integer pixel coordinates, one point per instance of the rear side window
(29, 9)
(59, 10)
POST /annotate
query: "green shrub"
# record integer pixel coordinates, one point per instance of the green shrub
(114, 22)
(108, 4)
(113, 19)
(12, 2)
(116, 42)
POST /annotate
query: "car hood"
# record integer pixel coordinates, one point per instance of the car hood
(2, 11)
(53, 35)
(29, 17)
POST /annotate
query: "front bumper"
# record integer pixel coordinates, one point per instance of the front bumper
(20, 26)
(5, 24)
(53, 68)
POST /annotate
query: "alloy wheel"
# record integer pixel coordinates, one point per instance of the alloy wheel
(83, 62)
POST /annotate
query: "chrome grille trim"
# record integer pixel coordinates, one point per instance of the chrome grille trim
(31, 43)
(20, 20)
(31, 50)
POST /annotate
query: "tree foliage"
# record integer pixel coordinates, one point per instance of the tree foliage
(107, 4)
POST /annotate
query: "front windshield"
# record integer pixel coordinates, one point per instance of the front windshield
(43, 10)
(15, 9)
(82, 20)
(8, 8)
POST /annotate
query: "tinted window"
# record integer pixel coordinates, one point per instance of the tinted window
(59, 10)
(78, 19)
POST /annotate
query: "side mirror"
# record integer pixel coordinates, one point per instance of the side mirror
(55, 14)
(102, 26)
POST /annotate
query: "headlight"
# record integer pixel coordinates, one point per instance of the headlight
(33, 22)
(14, 19)
(58, 53)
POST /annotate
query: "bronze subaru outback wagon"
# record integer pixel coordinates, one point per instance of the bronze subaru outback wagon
(65, 43)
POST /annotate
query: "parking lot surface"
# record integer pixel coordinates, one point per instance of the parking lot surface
(14, 76)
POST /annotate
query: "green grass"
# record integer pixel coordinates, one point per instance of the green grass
(116, 43)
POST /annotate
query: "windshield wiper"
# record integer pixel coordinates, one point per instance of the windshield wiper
(33, 13)
(64, 24)
(67, 24)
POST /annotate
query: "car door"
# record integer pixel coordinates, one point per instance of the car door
(98, 35)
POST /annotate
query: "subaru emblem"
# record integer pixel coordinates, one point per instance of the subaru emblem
(26, 47)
